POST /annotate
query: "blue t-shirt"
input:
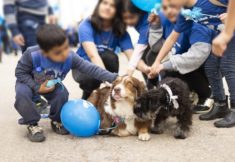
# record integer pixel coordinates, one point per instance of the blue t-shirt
(207, 8)
(105, 40)
(142, 28)
(196, 33)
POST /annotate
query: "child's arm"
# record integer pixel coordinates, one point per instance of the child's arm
(136, 57)
(93, 54)
(24, 71)
(190, 60)
(166, 48)
(220, 43)
(92, 70)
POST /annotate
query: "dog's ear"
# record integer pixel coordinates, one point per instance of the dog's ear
(140, 86)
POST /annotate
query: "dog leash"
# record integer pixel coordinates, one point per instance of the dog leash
(116, 122)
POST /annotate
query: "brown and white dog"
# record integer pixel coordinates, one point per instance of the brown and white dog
(116, 103)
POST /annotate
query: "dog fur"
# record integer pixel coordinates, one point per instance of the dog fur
(118, 101)
(155, 105)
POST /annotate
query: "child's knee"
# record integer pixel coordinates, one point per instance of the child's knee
(23, 91)
(63, 94)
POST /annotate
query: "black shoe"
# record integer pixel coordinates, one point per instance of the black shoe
(58, 128)
(203, 106)
(227, 122)
(219, 110)
(86, 95)
(42, 108)
(35, 133)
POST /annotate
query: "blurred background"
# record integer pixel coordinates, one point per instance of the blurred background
(69, 14)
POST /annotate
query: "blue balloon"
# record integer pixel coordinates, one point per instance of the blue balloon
(146, 5)
(80, 118)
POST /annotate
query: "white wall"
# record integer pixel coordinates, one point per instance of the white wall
(72, 11)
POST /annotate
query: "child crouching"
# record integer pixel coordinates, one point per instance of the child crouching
(52, 59)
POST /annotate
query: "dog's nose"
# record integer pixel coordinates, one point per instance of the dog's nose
(117, 90)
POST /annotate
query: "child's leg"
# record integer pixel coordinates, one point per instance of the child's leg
(228, 70)
(57, 99)
(213, 73)
(220, 108)
(24, 104)
(88, 84)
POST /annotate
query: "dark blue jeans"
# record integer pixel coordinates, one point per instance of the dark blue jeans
(27, 108)
(28, 25)
(216, 68)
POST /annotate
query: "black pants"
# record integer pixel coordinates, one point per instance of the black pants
(87, 83)
(196, 80)
(27, 109)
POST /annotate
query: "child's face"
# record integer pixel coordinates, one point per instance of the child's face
(130, 19)
(170, 11)
(59, 53)
(107, 10)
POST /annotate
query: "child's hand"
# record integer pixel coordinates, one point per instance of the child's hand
(155, 70)
(153, 19)
(145, 69)
(44, 89)
(220, 44)
(223, 17)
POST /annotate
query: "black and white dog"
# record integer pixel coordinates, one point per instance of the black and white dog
(170, 98)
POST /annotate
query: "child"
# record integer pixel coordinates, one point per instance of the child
(99, 36)
(215, 67)
(188, 55)
(134, 17)
(52, 59)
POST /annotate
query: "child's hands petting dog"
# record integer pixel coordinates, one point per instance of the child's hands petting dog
(155, 70)
(44, 89)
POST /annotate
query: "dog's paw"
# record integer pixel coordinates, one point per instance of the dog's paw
(157, 130)
(144, 137)
(180, 134)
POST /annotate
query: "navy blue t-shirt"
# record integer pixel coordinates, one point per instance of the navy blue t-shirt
(143, 29)
(196, 33)
(105, 40)
(207, 8)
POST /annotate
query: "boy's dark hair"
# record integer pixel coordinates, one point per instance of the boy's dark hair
(50, 36)
(118, 26)
(128, 6)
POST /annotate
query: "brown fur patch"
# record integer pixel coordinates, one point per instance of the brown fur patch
(98, 99)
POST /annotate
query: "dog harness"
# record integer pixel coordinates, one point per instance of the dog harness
(116, 121)
(171, 98)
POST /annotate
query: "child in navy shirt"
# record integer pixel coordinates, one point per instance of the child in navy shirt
(52, 59)
(187, 57)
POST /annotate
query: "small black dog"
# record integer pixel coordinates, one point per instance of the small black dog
(171, 98)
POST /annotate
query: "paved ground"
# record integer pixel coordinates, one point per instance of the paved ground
(205, 144)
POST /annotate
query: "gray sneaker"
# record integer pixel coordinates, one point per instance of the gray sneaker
(35, 133)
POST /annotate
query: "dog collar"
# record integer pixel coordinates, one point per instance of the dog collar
(172, 98)
(118, 120)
